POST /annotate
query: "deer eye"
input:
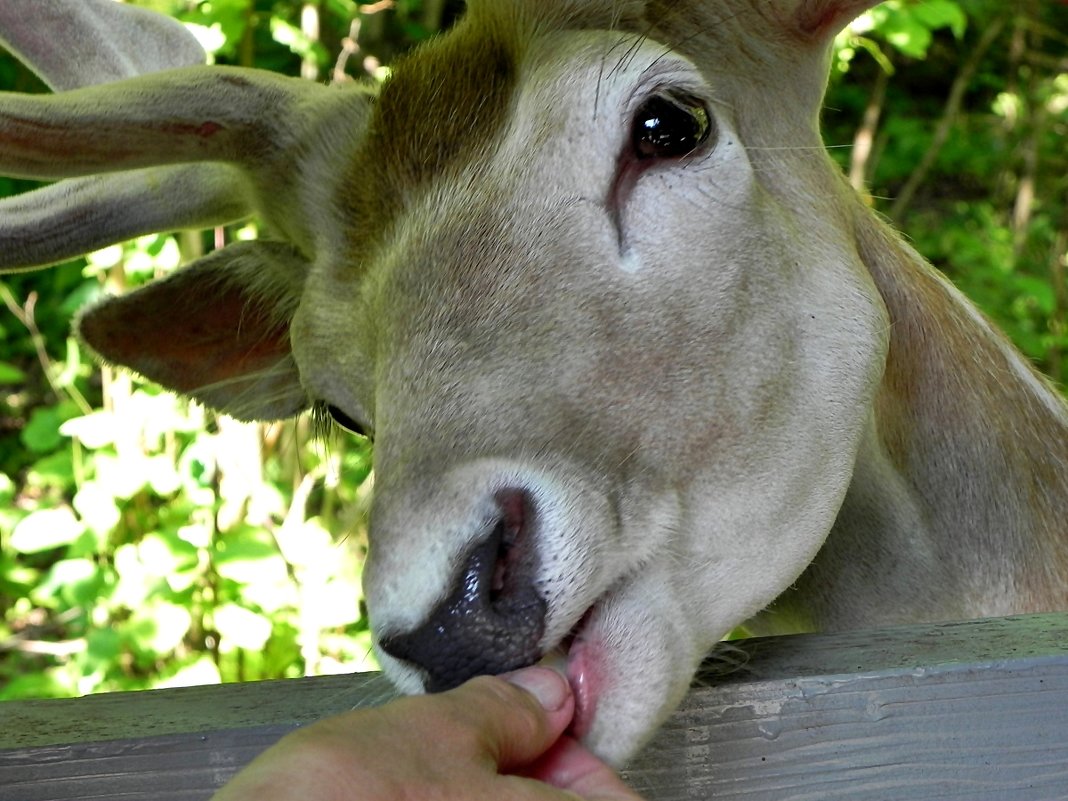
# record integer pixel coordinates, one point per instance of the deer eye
(669, 126)
(346, 422)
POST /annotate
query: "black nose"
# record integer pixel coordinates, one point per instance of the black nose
(493, 618)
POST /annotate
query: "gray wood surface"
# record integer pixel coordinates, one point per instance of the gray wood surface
(975, 711)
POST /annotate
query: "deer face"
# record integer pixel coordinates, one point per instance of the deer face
(615, 403)
(595, 295)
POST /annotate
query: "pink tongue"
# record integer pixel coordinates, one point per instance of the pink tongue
(586, 679)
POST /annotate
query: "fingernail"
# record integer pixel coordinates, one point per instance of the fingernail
(556, 659)
(548, 686)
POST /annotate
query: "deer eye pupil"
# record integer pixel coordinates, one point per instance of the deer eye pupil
(669, 127)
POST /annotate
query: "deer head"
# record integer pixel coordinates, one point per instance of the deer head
(582, 269)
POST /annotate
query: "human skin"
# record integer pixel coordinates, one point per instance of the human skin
(491, 739)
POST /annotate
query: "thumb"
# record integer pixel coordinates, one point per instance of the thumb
(519, 715)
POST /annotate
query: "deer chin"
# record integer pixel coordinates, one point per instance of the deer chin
(628, 668)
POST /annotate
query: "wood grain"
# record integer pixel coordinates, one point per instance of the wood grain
(975, 711)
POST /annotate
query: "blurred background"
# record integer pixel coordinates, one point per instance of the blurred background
(146, 542)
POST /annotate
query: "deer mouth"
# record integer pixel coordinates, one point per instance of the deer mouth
(577, 657)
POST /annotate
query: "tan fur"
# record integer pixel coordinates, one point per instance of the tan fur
(727, 386)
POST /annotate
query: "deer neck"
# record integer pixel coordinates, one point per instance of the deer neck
(958, 506)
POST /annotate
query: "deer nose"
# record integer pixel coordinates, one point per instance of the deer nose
(493, 617)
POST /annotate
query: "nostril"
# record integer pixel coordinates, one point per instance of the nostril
(493, 618)
(512, 533)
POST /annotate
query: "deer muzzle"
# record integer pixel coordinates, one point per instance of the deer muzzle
(493, 616)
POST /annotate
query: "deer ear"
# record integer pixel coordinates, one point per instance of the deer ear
(823, 19)
(217, 331)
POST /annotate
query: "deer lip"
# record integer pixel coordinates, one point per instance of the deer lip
(584, 674)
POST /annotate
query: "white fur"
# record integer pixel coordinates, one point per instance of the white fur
(730, 392)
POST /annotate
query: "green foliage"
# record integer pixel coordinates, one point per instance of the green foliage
(143, 542)
(146, 543)
(129, 557)
(990, 202)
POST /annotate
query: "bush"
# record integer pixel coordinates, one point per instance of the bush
(145, 542)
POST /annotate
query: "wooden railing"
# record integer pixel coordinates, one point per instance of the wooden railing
(967, 711)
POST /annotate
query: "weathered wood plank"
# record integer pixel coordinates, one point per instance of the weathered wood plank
(975, 711)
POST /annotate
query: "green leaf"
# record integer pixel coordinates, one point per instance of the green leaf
(85, 293)
(165, 554)
(935, 14)
(332, 604)
(41, 433)
(47, 684)
(346, 9)
(158, 628)
(231, 17)
(10, 374)
(55, 471)
(908, 28)
(250, 558)
(94, 431)
(104, 646)
(134, 583)
(239, 627)
(74, 582)
(46, 529)
(202, 670)
(1037, 291)
(97, 508)
(124, 477)
(905, 33)
(296, 40)
(211, 37)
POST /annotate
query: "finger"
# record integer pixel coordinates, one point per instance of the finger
(571, 766)
(511, 720)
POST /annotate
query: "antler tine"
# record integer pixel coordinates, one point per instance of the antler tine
(119, 145)
(72, 44)
(65, 220)
(186, 115)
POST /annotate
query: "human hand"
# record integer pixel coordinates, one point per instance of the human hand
(492, 739)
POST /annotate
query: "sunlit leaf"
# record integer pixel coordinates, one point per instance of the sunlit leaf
(124, 477)
(907, 35)
(100, 261)
(202, 670)
(162, 476)
(296, 40)
(94, 430)
(250, 557)
(159, 627)
(231, 17)
(46, 529)
(937, 14)
(210, 37)
(241, 628)
(134, 581)
(163, 554)
(333, 604)
(74, 582)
